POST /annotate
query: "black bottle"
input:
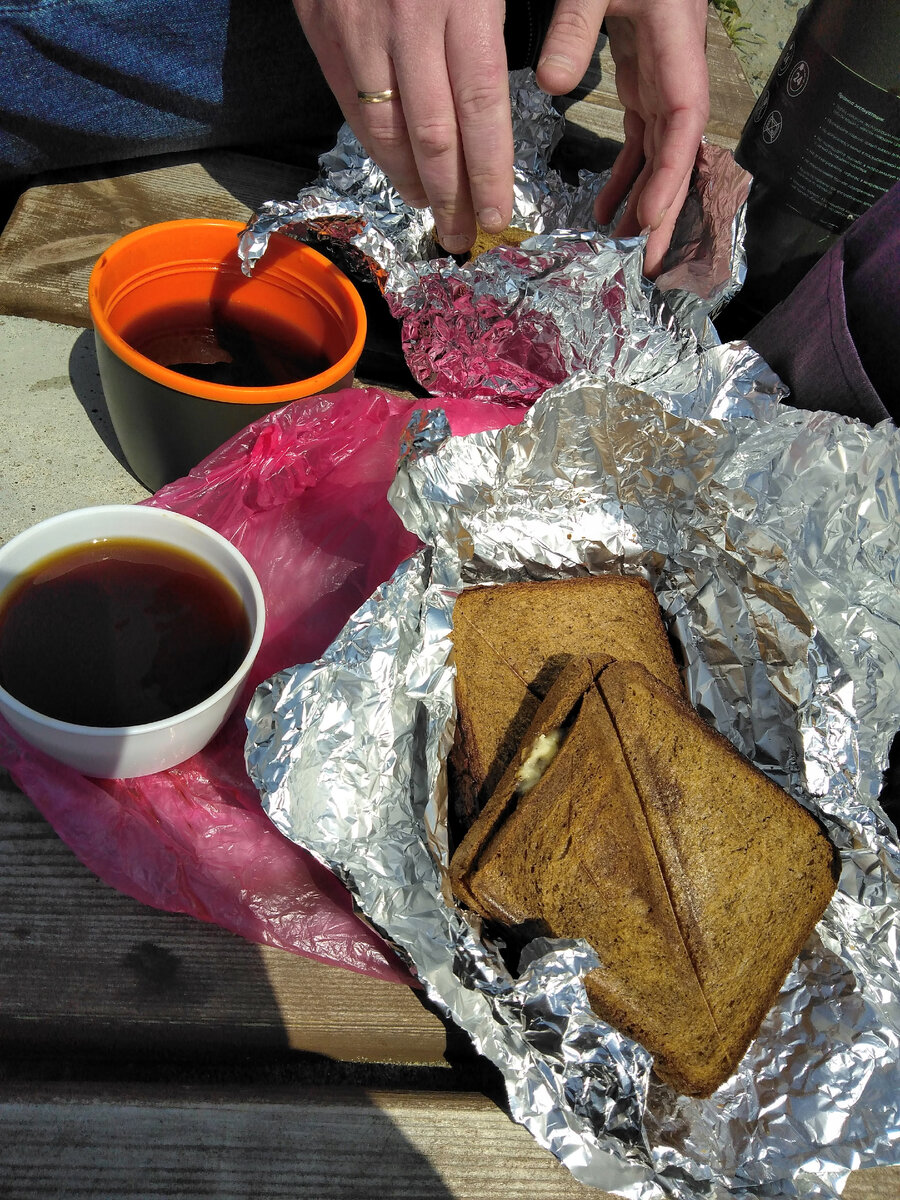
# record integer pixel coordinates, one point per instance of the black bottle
(822, 144)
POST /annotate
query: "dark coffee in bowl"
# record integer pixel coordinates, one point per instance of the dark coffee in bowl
(257, 350)
(120, 632)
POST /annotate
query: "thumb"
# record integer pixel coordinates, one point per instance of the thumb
(569, 44)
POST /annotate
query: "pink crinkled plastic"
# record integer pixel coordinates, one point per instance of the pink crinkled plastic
(302, 493)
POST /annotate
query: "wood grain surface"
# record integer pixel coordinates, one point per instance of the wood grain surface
(323, 1144)
(57, 231)
(84, 967)
(731, 97)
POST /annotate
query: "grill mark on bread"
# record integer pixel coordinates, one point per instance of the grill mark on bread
(714, 863)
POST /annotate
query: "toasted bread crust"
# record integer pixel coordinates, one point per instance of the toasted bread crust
(567, 690)
(749, 869)
(510, 236)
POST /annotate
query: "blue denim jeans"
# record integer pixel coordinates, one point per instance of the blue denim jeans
(91, 81)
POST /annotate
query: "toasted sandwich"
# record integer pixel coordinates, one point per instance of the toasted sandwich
(625, 820)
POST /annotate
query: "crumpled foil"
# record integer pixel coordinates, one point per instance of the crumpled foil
(515, 321)
(770, 536)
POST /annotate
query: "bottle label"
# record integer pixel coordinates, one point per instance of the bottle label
(825, 137)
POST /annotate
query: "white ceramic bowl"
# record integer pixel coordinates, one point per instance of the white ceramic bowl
(129, 751)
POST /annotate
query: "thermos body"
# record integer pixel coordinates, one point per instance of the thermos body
(822, 142)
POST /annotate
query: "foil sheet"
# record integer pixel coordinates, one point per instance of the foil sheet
(515, 321)
(770, 537)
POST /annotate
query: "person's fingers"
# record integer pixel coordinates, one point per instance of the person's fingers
(380, 128)
(568, 44)
(663, 75)
(447, 140)
(677, 136)
(625, 170)
(434, 135)
(661, 236)
(476, 59)
(630, 224)
(632, 221)
(630, 160)
(662, 82)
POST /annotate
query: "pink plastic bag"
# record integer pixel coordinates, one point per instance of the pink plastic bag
(302, 493)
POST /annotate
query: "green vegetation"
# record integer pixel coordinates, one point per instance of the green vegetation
(735, 25)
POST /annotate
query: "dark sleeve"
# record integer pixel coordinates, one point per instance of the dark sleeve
(834, 339)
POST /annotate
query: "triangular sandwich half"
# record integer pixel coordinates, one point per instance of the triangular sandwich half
(750, 870)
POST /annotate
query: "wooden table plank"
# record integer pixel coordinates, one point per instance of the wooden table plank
(594, 129)
(58, 230)
(324, 1144)
(83, 967)
(731, 97)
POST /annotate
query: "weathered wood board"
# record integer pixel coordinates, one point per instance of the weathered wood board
(84, 967)
(125, 1143)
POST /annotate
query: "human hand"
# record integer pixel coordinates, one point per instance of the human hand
(445, 138)
(659, 48)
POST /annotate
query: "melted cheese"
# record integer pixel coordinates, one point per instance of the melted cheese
(541, 755)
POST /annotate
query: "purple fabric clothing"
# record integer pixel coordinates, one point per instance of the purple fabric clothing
(835, 339)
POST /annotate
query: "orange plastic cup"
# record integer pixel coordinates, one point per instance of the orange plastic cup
(167, 421)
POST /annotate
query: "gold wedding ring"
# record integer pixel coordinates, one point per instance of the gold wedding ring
(377, 97)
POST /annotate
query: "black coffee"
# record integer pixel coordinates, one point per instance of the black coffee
(120, 632)
(198, 341)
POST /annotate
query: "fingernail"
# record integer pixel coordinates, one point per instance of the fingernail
(560, 61)
(490, 220)
(455, 243)
(661, 217)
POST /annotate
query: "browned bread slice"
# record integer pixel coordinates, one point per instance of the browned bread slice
(511, 641)
(514, 899)
(493, 706)
(575, 853)
(750, 871)
(510, 236)
(641, 862)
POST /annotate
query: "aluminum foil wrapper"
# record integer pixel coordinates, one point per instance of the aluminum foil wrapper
(513, 322)
(770, 537)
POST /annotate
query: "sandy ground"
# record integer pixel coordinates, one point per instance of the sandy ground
(769, 23)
